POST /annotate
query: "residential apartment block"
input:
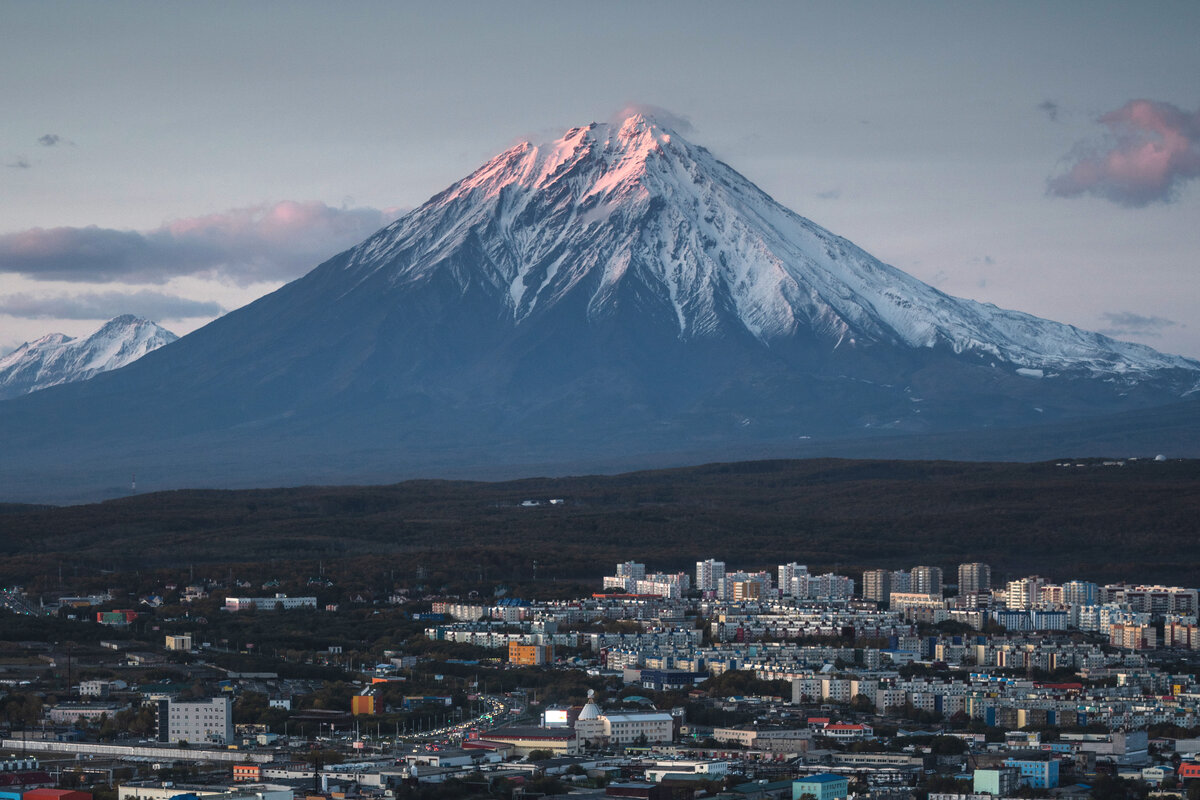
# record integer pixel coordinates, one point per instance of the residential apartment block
(198, 722)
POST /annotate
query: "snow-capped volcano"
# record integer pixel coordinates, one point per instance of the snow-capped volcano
(616, 298)
(56, 358)
(610, 205)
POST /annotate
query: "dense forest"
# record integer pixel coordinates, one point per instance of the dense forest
(1136, 521)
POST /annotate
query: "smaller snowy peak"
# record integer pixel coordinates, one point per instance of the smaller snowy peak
(56, 358)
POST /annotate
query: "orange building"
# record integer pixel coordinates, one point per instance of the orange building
(362, 704)
(746, 590)
(247, 772)
(530, 655)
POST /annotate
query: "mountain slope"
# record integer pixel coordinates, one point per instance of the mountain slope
(56, 358)
(615, 297)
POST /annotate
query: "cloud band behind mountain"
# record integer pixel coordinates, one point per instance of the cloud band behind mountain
(106, 305)
(262, 243)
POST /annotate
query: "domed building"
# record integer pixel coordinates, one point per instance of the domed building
(589, 725)
(595, 727)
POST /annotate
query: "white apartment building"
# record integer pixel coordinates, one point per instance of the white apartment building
(197, 722)
(708, 574)
(671, 586)
(787, 572)
(279, 602)
(1024, 592)
(1152, 599)
(823, 587)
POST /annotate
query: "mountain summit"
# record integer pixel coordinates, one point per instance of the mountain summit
(616, 298)
(56, 358)
(636, 210)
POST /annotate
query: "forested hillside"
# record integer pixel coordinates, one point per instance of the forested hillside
(1136, 522)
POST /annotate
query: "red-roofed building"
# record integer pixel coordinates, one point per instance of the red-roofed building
(1189, 770)
(26, 780)
(56, 794)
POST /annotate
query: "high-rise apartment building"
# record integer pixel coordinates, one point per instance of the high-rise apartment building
(1080, 593)
(1051, 594)
(787, 572)
(974, 578)
(877, 585)
(1024, 592)
(725, 589)
(708, 574)
(631, 569)
(927, 580)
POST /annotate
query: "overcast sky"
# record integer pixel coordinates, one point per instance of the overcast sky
(178, 160)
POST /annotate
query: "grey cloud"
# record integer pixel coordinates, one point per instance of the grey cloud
(49, 140)
(1127, 323)
(1050, 109)
(830, 194)
(20, 162)
(1149, 151)
(106, 305)
(246, 245)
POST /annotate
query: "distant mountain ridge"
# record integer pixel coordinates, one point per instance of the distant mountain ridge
(618, 297)
(57, 358)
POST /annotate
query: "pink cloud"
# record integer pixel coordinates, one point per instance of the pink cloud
(268, 242)
(1150, 150)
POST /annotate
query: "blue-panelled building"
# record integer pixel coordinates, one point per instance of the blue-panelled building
(1039, 773)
